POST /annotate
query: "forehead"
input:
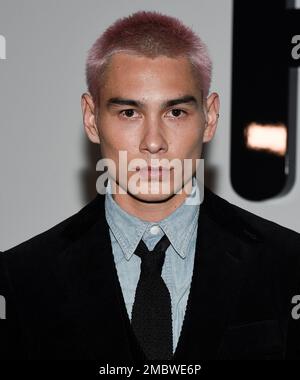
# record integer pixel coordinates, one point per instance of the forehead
(128, 72)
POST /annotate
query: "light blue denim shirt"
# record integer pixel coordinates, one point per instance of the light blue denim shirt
(126, 231)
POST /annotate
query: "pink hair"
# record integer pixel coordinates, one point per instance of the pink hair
(149, 34)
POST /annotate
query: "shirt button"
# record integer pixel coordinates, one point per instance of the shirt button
(154, 230)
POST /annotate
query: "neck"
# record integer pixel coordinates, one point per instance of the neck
(150, 211)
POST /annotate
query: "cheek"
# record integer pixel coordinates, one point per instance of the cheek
(188, 142)
(114, 138)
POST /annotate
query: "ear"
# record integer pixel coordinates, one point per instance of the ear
(89, 118)
(212, 115)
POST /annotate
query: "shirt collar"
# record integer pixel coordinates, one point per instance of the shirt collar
(128, 229)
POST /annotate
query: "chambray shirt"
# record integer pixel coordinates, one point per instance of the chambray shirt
(126, 231)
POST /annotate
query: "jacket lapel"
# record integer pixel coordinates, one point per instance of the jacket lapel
(223, 253)
(94, 300)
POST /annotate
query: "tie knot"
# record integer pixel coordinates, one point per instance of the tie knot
(152, 261)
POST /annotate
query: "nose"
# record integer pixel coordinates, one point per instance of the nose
(153, 138)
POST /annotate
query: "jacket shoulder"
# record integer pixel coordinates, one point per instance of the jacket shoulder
(58, 236)
(276, 247)
(245, 222)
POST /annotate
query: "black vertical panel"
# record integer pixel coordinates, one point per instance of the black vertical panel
(263, 91)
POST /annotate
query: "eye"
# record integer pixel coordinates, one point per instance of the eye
(129, 113)
(176, 113)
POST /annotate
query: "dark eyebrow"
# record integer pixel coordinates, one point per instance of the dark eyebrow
(136, 103)
(183, 99)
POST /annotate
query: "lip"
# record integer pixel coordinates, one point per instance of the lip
(155, 172)
(152, 168)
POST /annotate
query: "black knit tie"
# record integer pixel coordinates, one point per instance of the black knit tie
(151, 313)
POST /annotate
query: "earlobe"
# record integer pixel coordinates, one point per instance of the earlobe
(207, 134)
(92, 134)
(212, 116)
(210, 127)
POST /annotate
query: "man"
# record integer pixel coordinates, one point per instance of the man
(142, 273)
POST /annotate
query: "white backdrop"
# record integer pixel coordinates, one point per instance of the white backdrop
(47, 165)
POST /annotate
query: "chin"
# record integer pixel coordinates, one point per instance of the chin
(152, 198)
(157, 193)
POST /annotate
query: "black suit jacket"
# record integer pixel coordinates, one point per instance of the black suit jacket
(64, 300)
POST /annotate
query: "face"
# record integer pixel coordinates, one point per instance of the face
(153, 111)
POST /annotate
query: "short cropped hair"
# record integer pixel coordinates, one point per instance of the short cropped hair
(149, 34)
